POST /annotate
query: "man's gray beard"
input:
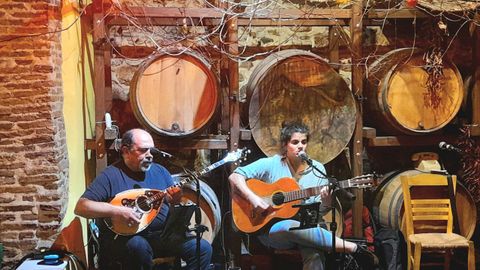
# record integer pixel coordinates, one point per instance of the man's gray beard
(145, 165)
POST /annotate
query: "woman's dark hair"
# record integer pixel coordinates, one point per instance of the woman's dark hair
(287, 131)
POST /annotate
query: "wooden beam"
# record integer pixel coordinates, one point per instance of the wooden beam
(256, 22)
(167, 12)
(233, 79)
(170, 16)
(403, 13)
(356, 31)
(218, 142)
(476, 76)
(389, 141)
(281, 15)
(234, 242)
(334, 34)
(246, 135)
(290, 23)
(369, 133)
(99, 79)
(205, 13)
(259, 52)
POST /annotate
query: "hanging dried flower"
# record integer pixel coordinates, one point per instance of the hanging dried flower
(469, 171)
(434, 68)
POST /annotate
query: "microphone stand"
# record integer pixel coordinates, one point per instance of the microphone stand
(199, 229)
(333, 225)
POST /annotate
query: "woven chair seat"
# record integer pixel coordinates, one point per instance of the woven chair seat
(439, 240)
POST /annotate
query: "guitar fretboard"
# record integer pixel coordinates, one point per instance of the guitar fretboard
(202, 172)
(359, 181)
(301, 193)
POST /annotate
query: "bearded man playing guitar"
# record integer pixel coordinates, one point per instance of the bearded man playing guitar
(311, 242)
(136, 171)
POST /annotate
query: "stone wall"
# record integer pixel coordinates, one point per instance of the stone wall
(33, 152)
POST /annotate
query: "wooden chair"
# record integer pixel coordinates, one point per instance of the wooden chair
(429, 220)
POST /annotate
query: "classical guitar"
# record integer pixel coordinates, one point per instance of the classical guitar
(281, 195)
(147, 202)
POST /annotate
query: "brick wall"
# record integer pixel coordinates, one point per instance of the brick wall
(33, 153)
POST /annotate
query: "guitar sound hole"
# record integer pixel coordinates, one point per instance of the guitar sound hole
(143, 204)
(278, 198)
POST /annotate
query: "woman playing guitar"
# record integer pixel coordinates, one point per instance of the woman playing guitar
(253, 211)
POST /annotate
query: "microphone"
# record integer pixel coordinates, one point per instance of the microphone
(156, 151)
(303, 156)
(350, 196)
(449, 147)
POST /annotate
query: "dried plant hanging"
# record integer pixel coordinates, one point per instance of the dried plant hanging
(469, 172)
(434, 68)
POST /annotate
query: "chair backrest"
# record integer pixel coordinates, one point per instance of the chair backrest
(427, 203)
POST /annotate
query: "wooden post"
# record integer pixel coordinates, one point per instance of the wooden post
(356, 30)
(476, 77)
(232, 39)
(233, 87)
(334, 33)
(101, 81)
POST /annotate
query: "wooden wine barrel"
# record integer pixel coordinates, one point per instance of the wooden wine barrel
(471, 97)
(174, 94)
(296, 85)
(398, 100)
(388, 208)
(209, 206)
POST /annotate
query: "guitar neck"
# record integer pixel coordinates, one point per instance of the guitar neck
(313, 191)
(200, 173)
(212, 167)
(301, 193)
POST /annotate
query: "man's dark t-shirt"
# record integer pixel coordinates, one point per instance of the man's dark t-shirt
(118, 177)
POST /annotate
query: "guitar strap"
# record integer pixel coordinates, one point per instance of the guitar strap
(453, 203)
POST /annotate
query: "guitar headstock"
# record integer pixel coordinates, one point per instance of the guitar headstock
(363, 181)
(237, 155)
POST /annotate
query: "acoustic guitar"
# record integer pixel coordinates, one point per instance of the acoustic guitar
(147, 202)
(282, 195)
